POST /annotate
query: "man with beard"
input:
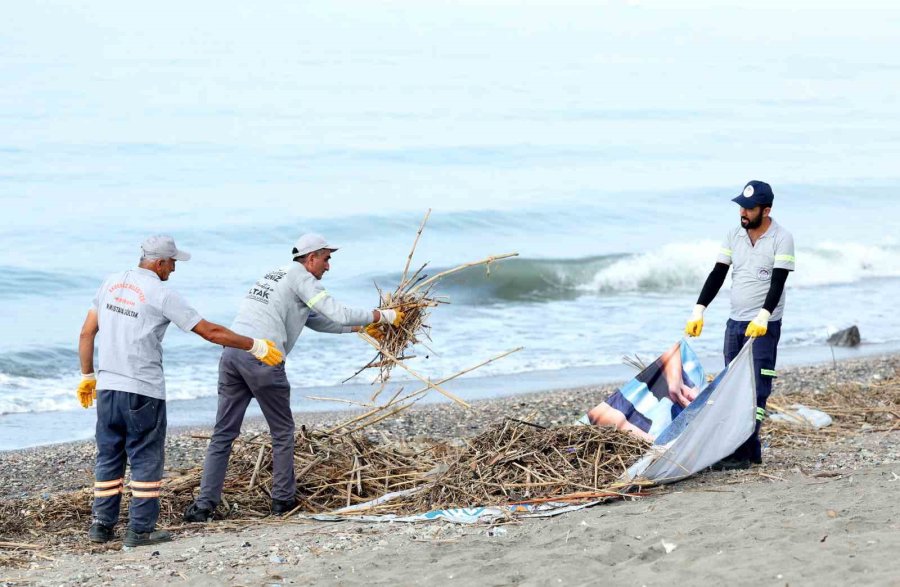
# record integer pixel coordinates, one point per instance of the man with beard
(762, 253)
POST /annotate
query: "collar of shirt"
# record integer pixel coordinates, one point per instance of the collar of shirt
(149, 273)
(770, 232)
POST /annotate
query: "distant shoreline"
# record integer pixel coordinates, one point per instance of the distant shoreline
(55, 428)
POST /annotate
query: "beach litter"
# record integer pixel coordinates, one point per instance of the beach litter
(853, 408)
(341, 465)
(524, 470)
(799, 415)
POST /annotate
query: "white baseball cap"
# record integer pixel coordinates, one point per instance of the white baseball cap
(161, 246)
(309, 243)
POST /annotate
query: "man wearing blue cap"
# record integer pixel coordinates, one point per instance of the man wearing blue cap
(128, 318)
(762, 253)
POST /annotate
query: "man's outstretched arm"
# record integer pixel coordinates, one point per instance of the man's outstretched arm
(264, 350)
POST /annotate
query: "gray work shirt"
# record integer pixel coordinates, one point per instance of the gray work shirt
(753, 265)
(134, 309)
(284, 300)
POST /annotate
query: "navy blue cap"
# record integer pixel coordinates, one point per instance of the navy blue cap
(756, 193)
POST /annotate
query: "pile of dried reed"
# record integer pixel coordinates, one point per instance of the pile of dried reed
(517, 461)
(512, 462)
(854, 408)
(332, 470)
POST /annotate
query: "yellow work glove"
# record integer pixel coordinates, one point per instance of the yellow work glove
(266, 351)
(374, 331)
(87, 390)
(759, 326)
(391, 317)
(695, 324)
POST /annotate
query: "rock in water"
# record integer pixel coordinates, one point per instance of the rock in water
(845, 337)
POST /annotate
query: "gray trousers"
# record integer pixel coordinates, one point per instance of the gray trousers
(242, 378)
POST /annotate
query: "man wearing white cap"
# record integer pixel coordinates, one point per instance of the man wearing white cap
(276, 307)
(131, 312)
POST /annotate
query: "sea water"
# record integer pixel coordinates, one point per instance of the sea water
(603, 143)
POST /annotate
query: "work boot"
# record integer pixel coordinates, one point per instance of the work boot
(133, 538)
(195, 513)
(731, 464)
(283, 506)
(101, 533)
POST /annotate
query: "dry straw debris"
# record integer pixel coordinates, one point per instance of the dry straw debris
(415, 297)
(518, 461)
(512, 462)
(854, 408)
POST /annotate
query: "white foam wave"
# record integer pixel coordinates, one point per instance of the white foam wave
(27, 394)
(686, 265)
(838, 263)
(675, 265)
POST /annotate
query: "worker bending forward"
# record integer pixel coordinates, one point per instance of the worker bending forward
(276, 307)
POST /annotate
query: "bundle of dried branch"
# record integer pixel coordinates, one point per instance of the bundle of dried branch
(415, 298)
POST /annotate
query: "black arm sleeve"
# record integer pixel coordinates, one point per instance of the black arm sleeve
(776, 288)
(713, 284)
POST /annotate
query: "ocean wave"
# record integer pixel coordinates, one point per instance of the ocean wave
(45, 393)
(20, 282)
(38, 362)
(672, 267)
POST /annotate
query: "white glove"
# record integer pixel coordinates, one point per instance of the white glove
(388, 317)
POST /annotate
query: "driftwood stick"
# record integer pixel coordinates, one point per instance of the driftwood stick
(337, 399)
(443, 274)
(259, 459)
(430, 384)
(413, 250)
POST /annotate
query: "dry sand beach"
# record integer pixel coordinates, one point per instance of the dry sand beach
(821, 510)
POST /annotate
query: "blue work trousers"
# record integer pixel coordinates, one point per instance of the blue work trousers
(765, 351)
(131, 428)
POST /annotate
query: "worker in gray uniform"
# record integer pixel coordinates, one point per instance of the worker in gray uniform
(277, 307)
(130, 313)
(762, 254)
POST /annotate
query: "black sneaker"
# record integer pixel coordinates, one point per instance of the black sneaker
(731, 464)
(133, 538)
(283, 506)
(195, 513)
(101, 533)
